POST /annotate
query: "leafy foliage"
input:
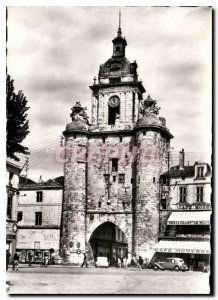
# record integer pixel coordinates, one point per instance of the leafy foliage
(17, 123)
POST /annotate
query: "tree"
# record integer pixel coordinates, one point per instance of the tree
(17, 123)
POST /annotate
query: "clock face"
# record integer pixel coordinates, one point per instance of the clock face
(114, 101)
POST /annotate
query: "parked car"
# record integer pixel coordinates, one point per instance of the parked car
(172, 263)
(102, 262)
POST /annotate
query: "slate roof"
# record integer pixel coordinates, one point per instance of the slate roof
(188, 171)
(174, 172)
(56, 183)
(23, 180)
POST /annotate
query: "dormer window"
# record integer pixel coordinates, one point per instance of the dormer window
(200, 172)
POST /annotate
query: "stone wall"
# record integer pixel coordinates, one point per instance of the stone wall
(114, 195)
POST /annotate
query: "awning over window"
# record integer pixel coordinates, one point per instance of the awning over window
(183, 247)
(189, 218)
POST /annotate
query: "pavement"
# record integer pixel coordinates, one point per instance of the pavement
(59, 279)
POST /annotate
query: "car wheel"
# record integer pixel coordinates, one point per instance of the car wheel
(176, 268)
(155, 268)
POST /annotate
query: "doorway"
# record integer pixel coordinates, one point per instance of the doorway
(108, 240)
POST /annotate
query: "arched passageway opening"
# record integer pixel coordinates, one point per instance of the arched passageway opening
(108, 240)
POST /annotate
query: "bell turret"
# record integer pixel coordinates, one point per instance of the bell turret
(119, 43)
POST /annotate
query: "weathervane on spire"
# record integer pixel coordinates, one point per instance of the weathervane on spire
(119, 18)
(119, 32)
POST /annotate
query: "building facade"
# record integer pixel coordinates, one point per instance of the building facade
(39, 220)
(13, 170)
(112, 167)
(185, 213)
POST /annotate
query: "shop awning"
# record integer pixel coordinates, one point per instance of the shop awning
(189, 218)
(195, 247)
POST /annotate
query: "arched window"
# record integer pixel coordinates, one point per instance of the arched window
(113, 109)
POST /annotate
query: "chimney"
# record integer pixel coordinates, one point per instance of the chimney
(181, 159)
(40, 179)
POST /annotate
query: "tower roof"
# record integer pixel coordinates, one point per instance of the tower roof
(118, 65)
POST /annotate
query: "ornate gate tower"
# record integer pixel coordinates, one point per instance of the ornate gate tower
(112, 168)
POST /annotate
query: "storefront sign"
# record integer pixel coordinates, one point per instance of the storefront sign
(188, 223)
(197, 251)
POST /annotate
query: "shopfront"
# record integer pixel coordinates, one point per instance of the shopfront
(196, 254)
(37, 255)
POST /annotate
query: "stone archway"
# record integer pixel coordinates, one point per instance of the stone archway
(108, 240)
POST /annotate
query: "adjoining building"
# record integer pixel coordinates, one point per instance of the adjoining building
(185, 213)
(111, 197)
(39, 219)
(13, 170)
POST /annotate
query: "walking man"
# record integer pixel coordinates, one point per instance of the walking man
(16, 262)
(85, 261)
(30, 258)
(141, 262)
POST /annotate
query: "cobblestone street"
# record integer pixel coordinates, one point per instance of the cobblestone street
(71, 280)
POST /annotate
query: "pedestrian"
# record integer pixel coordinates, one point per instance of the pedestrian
(141, 262)
(191, 265)
(119, 262)
(46, 260)
(85, 261)
(16, 262)
(7, 259)
(136, 262)
(122, 262)
(30, 256)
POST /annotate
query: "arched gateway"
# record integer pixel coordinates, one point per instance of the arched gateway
(108, 240)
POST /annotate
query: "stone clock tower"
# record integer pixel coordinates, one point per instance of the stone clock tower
(111, 189)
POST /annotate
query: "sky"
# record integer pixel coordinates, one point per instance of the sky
(54, 53)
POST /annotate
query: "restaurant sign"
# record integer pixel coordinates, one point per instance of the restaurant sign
(188, 223)
(175, 250)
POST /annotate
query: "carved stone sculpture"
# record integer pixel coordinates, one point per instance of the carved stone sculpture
(79, 113)
(149, 107)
